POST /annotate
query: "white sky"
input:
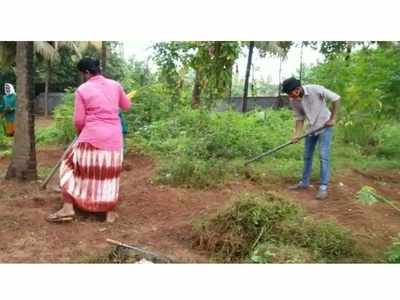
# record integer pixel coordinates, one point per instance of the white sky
(265, 68)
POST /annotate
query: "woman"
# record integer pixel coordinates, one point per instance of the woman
(90, 171)
(7, 109)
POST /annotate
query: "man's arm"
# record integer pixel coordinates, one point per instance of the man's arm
(297, 130)
(334, 110)
(335, 99)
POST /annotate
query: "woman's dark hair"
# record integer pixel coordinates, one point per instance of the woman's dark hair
(89, 64)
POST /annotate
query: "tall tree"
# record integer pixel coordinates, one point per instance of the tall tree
(196, 101)
(103, 57)
(23, 161)
(247, 76)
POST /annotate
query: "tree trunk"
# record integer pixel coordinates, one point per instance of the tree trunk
(228, 89)
(301, 61)
(103, 57)
(349, 46)
(196, 91)
(280, 102)
(23, 161)
(46, 90)
(246, 80)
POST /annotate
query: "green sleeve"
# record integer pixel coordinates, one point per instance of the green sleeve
(10, 103)
(124, 124)
(1, 104)
(13, 102)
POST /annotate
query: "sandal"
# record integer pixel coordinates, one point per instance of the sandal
(55, 218)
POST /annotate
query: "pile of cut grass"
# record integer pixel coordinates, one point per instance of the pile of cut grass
(265, 228)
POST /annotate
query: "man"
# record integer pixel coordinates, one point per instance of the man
(309, 103)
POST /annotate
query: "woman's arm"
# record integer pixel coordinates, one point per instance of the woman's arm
(79, 113)
(124, 102)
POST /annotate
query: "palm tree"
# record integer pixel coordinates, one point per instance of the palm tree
(23, 161)
(103, 56)
(246, 80)
(50, 54)
(279, 49)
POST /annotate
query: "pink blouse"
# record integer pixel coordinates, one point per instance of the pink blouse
(97, 104)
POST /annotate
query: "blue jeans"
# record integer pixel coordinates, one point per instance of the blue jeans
(324, 139)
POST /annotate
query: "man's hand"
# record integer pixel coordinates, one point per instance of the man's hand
(295, 139)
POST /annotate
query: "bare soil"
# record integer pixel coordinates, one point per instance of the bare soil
(159, 218)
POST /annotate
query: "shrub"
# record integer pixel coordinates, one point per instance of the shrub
(63, 130)
(267, 228)
(388, 141)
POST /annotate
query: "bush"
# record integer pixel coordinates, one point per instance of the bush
(63, 130)
(388, 138)
(267, 228)
(204, 141)
(191, 172)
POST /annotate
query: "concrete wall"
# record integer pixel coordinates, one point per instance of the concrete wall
(252, 103)
(53, 100)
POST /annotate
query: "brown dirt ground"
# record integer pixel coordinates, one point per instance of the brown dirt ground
(158, 218)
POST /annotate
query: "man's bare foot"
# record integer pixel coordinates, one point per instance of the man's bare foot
(111, 217)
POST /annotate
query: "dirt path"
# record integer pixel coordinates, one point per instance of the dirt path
(159, 218)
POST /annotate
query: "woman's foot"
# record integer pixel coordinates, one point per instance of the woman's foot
(65, 214)
(111, 217)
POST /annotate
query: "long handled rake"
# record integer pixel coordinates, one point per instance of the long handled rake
(53, 171)
(276, 149)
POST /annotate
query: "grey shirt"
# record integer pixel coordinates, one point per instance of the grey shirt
(312, 106)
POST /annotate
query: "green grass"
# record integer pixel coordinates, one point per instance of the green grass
(200, 149)
(265, 228)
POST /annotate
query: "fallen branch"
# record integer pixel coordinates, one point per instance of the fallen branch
(146, 254)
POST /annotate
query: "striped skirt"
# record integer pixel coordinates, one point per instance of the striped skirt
(89, 177)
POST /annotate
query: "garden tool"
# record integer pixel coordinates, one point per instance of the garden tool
(276, 149)
(53, 171)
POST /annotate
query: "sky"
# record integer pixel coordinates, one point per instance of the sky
(264, 68)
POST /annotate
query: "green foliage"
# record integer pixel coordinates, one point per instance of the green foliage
(63, 130)
(265, 228)
(393, 253)
(368, 82)
(280, 253)
(388, 141)
(226, 135)
(189, 172)
(368, 195)
(193, 143)
(211, 61)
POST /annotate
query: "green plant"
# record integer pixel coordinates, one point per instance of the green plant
(63, 130)
(393, 253)
(280, 253)
(368, 195)
(388, 141)
(266, 228)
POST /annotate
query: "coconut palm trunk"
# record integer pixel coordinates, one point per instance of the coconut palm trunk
(23, 161)
(196, 92)
(246, 80)
(103, 57)
(46, 90)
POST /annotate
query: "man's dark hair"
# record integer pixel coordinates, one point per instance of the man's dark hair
(290, 84)
(89, 64)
